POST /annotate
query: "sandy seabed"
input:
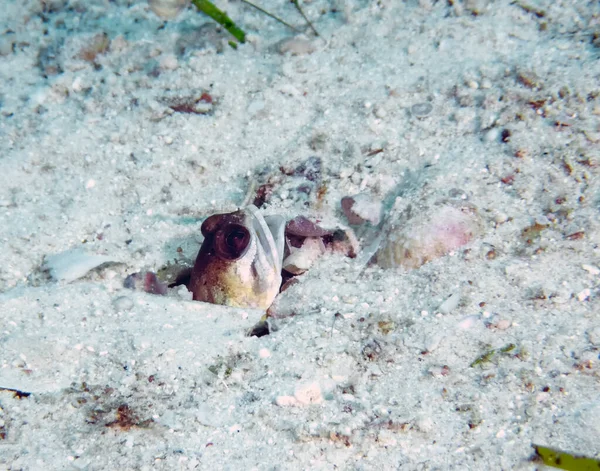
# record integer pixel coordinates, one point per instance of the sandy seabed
(120, 133)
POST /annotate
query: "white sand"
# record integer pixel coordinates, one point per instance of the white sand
(92, 157)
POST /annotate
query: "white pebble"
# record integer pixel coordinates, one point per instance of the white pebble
(500, 218)
(583, 295)
(296, 46)
(289, 89)
(542, 220)
(375, 370)
(433, 342)
(468, 322)
(184, 293)
(386, 438)
(425, 424)
(6, 46)
(167, 9)
(235, 428)
(591, 269)
(123, 304)
(309, 393)
(421, 110)
(439, 371)
(286, 401)
(492, 135)
(503, 324)
(77, 84)
(303, 258)
(450, 304)
(380, 112)
(594, 336)
(362, 207)
(168, 62)
(264, 353)
(255, 107)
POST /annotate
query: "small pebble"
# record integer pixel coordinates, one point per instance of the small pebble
(425, 424)
(77, 84)
(255, 107)
(362, 208)
(6, 46)
(123, 304)
(421, 110)
(492, 135)
(296, 46)
(264, 353)
(503, 324)
(439, 371)
(530, 411)
(236, 428)
(303, 258)
(168, 62)
(591, 269)
(167, 9)
(542, 220)
(500, 218)
(309, 393)
(450, 304)
(380, 112)
(286, 401)
(584, 295)
(184, 293)
(594, 336)
(433, 342)
(468, 322)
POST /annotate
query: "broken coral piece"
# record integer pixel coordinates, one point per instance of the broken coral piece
(167, 9)
(432, 233)
(302, 258)
(362, 208)
(147, 282)
(301, 226)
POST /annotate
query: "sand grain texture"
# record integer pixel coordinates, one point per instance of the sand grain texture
(491, 103)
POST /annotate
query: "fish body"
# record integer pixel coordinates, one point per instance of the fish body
(239, 263)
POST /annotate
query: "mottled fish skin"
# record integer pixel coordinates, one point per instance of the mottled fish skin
(239, 263)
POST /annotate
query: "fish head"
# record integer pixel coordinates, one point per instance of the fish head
(239, 263)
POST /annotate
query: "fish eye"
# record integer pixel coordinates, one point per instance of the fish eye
(232, 242)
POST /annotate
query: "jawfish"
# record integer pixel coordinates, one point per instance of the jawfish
(239, 263)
